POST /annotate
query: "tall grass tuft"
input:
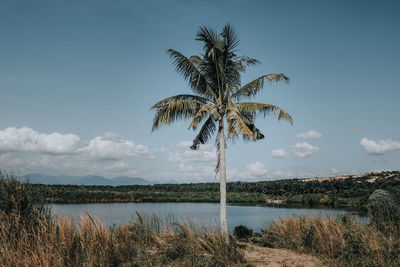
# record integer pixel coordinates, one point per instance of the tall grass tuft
(343, 240)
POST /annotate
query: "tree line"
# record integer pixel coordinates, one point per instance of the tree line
(352, 192)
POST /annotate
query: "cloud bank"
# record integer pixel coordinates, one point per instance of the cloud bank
(205, 153)
(256, 169)
(303, 150)
(111, 146)
(26, 150)
(380, 147)
(27, 139)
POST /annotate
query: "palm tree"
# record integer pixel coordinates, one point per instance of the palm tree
(214, 77)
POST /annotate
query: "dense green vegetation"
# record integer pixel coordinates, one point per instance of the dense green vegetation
(351, 193)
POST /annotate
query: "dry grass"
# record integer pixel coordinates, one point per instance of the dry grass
(144, 242)
(30, 236)
(270, 257)
(340, 240)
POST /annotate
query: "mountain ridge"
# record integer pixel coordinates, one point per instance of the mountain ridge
(37, 178)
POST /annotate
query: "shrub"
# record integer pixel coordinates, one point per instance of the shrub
(384, 209)
(242, 232)
(22, 207)
(21, 198)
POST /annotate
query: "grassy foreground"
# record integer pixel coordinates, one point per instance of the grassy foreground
(340, 241)
(89, 243)
(31, 236)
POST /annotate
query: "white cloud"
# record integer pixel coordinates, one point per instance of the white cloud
(279, 153)
(111, 146)
(68, 164)
(197, 170)
(256, 169)
(188, 173)
(27, 139)
(24, 150)
(312, 134)
(334, 171)
(304, 149)
(205, 153)
(185, 144)
(381, 147)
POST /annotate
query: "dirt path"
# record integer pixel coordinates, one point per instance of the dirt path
(270, 257)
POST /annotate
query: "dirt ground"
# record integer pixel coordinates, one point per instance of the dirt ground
(263, 257)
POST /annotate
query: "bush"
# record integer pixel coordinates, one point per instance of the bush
(21, 204)
(384, 209)
(242, 232)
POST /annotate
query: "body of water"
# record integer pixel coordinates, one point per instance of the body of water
(254, 217)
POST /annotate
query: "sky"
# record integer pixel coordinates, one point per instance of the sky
(77, 80)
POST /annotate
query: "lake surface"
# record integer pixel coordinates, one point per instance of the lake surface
(254, 217)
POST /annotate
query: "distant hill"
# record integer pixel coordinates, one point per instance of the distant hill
(37, 178)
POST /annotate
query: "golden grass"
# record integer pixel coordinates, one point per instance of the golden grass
(340, 240)
(88, 242)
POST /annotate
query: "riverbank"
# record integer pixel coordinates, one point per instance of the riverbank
(347, 192)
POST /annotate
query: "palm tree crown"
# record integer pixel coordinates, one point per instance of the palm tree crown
(214, 78)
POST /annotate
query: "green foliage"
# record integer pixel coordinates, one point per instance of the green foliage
(384, 209)
(351, 193)
(22, 201)
(242, 232)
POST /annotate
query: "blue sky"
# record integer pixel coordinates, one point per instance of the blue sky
(77, 79)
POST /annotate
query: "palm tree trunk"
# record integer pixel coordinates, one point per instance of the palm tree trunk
(222, 181)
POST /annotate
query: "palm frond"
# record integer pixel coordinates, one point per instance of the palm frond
(209, 109)
(251, 117)
(210, 39)
(264, 109)
(205, 133)
(230, 38)
(237, 123)
(197, 61)
(248, 61)
(165, 102)
(189, 68)
(252, 88)
(277, 77)
(180, 109)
